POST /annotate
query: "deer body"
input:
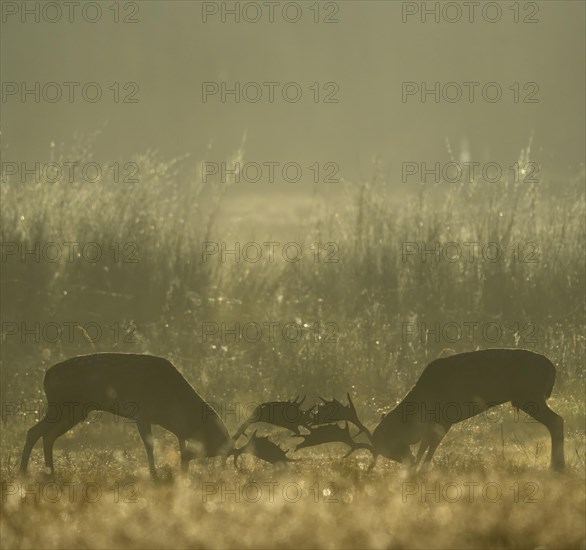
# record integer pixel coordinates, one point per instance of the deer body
(455, 388)
(144, 388)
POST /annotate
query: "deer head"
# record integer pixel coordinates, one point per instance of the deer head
(391, 445)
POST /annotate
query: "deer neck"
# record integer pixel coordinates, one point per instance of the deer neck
(404, 422)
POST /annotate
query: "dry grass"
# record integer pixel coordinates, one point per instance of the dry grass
(468, 500)
(489, 487)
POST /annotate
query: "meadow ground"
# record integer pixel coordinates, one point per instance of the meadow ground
(471, 498)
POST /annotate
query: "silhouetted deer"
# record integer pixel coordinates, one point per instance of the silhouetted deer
(144, 388)
(452, 389)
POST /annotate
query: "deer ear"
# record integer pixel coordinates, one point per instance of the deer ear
(301, 402)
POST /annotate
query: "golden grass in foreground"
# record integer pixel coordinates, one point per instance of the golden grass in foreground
(471, 498)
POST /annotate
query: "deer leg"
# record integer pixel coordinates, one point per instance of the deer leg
(433, 445)
(144, 429)
(184, 455)
(434, 438)
(49, 437)
(373, 463)
(555, 424)
(32, 436)
(422, 448)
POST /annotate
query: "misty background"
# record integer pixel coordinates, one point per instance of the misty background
(369, 52)
(369, 212)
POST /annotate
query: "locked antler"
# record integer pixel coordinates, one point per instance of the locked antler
(333, 411)
(286, 414)
(331, 433)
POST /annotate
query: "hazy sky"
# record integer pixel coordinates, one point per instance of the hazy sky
(169, 52)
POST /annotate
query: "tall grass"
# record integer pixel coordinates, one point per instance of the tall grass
(369, 294)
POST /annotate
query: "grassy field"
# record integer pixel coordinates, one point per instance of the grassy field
(322, 504)
(489, 486)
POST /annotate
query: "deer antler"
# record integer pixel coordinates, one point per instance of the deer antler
(334, 411)
(300, 402)
(285, 414)
(331, 433)
(355, 418)
(263, 448)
